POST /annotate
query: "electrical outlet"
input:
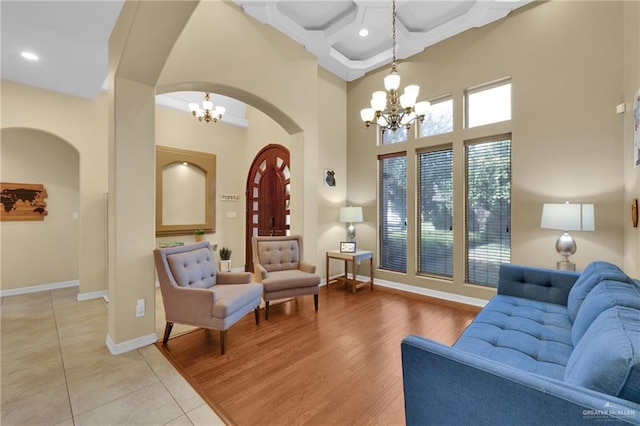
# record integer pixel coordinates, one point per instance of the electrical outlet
(140, 308)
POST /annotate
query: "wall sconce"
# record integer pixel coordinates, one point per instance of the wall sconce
(351, 215)
(567, 217)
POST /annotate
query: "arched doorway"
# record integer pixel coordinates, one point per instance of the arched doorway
(268, 196)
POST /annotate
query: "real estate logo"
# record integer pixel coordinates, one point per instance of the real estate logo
(608, 413)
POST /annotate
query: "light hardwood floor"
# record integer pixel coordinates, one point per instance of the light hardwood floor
(57, 370)
(341, 365)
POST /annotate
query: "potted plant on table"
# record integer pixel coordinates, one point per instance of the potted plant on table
(225, 259)
(199, 233)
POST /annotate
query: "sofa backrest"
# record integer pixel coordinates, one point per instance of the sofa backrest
(278, 253)
(191, 266)
(593, 274)
(607, 358)
(544, 285)
(604, 296)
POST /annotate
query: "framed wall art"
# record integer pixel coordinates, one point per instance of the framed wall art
(22, 201)
(329, 177)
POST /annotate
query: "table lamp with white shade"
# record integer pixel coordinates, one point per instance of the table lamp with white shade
(351, 215)
(567, 217)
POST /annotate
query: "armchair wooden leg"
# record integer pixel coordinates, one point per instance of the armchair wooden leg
(256, 312)
(167, 332)
(315, 301)
(223, 341)
(266, 309)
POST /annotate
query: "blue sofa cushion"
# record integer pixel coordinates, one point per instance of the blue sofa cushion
(605, 295)
(595, 366)
(594, 273)
(526, 334)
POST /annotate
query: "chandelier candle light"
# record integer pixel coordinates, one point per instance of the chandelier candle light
(207, 112)
(388, 110)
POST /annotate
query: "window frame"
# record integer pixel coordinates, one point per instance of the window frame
(381, 251)
(435, 101)
(438, 148)
(467, 144)
(480, 88)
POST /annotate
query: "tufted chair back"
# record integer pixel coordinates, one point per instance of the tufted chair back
(279, 253)
(195, 268)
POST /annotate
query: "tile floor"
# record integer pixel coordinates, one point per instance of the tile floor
(56, 369)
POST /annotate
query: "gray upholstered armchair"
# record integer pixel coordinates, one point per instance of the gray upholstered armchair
(278, 265)
(194, 293)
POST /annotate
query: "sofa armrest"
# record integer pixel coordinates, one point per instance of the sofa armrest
(233, 278)
(443, 385)
(307, 267)
(544, 285)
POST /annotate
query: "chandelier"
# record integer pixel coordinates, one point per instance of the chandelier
(388, 110)
(207, 112)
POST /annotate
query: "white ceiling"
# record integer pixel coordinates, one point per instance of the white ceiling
(71, 37)
(329, 29)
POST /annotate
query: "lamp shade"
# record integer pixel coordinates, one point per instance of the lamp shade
(351, 214)
(568, 217)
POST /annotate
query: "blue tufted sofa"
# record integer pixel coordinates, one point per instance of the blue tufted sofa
(551, 348)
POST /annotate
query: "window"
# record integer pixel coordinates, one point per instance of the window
(439, 119)
(488, 209)
(435, 198)
(392, 183)
(488, 104)
(389, 136)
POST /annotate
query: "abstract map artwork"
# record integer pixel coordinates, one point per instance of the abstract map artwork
(22, 201)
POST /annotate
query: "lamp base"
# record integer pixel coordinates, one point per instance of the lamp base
(566, 265)
(351, 232)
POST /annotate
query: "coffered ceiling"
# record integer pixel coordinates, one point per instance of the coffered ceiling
(71, 37)
(330, 29)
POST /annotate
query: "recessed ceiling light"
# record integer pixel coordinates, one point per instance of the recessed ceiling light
(363, 32)
(30, 56)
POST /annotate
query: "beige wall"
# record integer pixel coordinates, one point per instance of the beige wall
(332, 116)
(41, 252)
(235, 148)
(631, 13)
(565, 62)
(269, 72)
(82, 124)
(263, 68)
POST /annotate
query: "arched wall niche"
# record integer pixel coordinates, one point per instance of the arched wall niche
(167, 156)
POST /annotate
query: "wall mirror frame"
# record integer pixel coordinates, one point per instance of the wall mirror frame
(166, 156)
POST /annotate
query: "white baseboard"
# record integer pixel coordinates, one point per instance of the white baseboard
(130, 345)
(428, 292)
(94, 295)
(38, 288)
(418, 290)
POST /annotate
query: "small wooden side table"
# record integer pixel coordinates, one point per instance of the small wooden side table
(354, 258)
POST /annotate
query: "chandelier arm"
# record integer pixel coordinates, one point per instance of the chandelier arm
(394, 116)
